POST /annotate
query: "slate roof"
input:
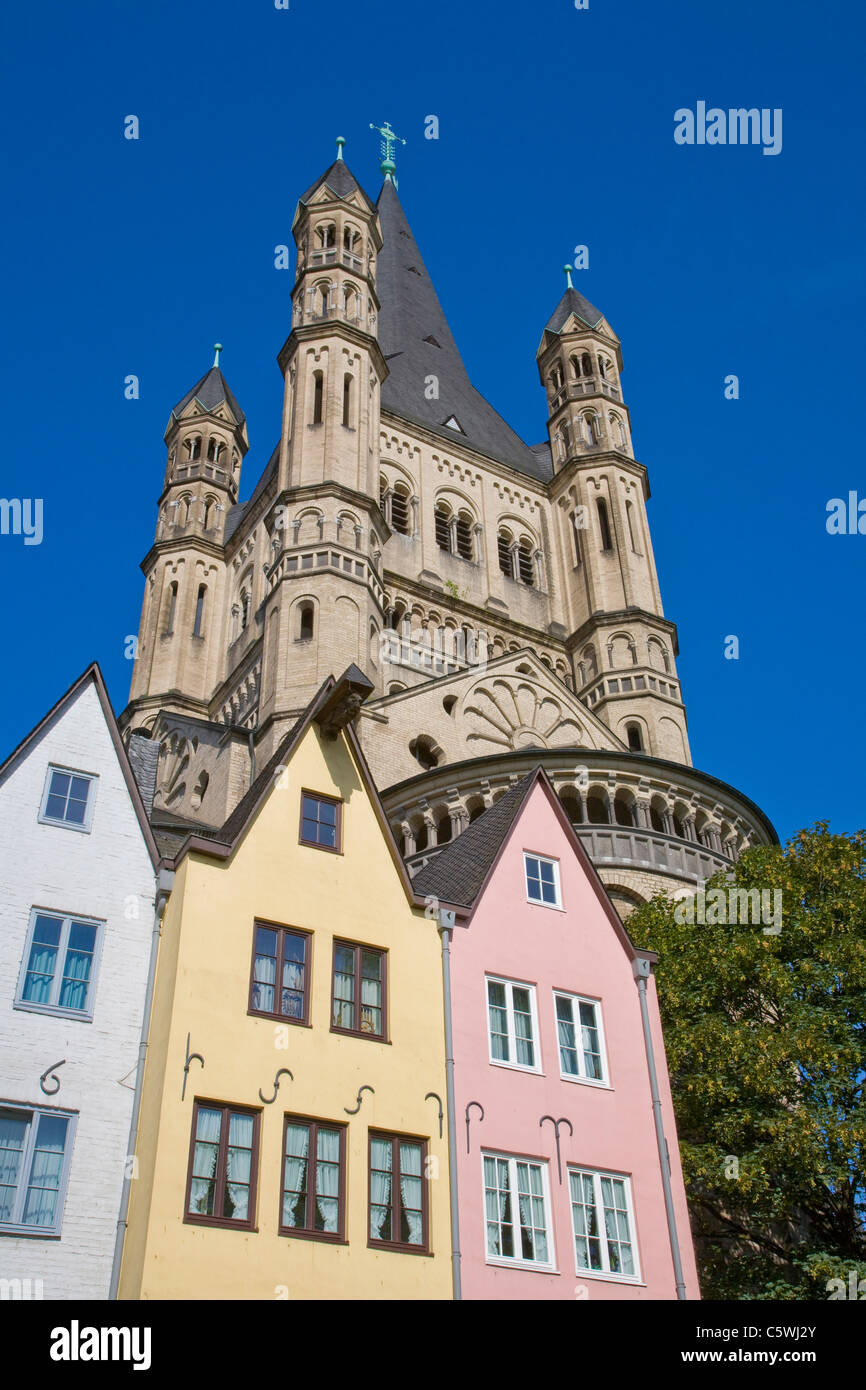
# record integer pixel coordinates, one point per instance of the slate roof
(143, 756)
(339, 179)
(572, 302)
(458, 872)
(417, 343)
(210, 392)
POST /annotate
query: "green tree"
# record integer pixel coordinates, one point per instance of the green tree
(765, 1030)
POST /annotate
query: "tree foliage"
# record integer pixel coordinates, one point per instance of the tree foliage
(766, 1045)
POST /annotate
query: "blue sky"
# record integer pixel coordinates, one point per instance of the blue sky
(556, 129)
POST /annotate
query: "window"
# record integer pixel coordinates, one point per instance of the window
(581, 1048)
(320, 821)
(398, 1192)
(278, 987)
(463, 532)
(635, 740)
(314, 1179)
(512, 1024)
(245, 608)
(575, 531)
(172, 605)
(604, 525)
(525, 567)
(358, 999)
(199, 610)
(503, 545)
(58, 971)
(542, 880)
(443, 528)
(68, 798)
(317, 397)
(602, 1202)
(516, 1207)
(400, 511)
(347, 399)
(305, 623)
(221, 1189)
(35, 1147)
(629, 512)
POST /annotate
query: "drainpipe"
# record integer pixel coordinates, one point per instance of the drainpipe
(446, 925)
(641, 970)
(164, 885)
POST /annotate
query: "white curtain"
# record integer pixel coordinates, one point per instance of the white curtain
(380, 1190)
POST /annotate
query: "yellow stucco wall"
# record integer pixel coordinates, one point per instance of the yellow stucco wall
(202, 989)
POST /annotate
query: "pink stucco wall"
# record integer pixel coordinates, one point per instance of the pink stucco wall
(576, 950)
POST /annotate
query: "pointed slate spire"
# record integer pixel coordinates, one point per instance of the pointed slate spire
(419, 347)
(211, 391)
(573, 302)
(339, 180)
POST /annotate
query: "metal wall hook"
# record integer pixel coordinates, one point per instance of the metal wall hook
(190, 1057)
(48, 1072)
(478, 1106)
(556, 1123)
(358, 1106)
(431, 1095)
(283, 1071)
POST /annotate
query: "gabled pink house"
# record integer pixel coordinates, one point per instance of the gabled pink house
(568, 1174)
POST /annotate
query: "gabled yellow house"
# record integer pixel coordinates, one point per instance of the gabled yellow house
(293, 1138)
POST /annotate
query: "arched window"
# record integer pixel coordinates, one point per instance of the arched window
(442, 518)
(322, 299)
(596, 809)
(443, 829)
(590, 422)
(604, 524)
(326, 235)
(305, 623)
(213, 449)
(464, 535)
(350, 238)
(503, 546)
(635, 738)
(629, 513)
(183, 510)
(619, 430)
(318, 392)
(351, 302)
(422, 751)
(575, 531)
(194, 446)
(556, 377)
(348, 380)
(208, 517)
(656, 816)
(623, 811)
(575, 366)
(525, 566)
(602, 368)
(566, 439)
(400, 509)
(245, 607)
(199, 610)
(586, 363)
(172, 606)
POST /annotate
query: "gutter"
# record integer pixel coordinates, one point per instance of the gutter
(446, 926)
(641, 967)
(164, 885)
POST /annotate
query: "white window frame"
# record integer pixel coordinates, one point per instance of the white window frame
(510, 986)
(581, 1078)
(91, 777)
(56, 1009)
(35, 1112)
(547, 1266)
(542, 859)
(606, 1272)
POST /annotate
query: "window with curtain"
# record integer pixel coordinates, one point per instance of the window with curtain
(517, 1205)
(398, 1192)
(35, 1147)
(542, 880)
(358, 993)
(314, 1179)
(320, 821)
(59, 958)
(221, 1189)
(68, 798)
(512, 1024)
(603, 1223)
(581, 1046)
(279, 985)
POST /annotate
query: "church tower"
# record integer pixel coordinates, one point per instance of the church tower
(180, 645)
(622, 646)
(324, 602)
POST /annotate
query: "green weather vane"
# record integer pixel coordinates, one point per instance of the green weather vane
(389, 139)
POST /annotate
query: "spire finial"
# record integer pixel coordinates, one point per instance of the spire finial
(340, 143)
(567, 269)
(217, 349)
(389, 139)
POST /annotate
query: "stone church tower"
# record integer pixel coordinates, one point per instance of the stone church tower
(501, 598)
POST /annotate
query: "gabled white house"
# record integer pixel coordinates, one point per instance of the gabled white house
(77, 927)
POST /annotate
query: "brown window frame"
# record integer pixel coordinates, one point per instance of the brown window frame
(338, 822)
(337, 1237)
(358, 947)
(227, 1223)
(396, 1139)
(281, 928)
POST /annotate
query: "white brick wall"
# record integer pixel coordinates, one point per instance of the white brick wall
(106, 874)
